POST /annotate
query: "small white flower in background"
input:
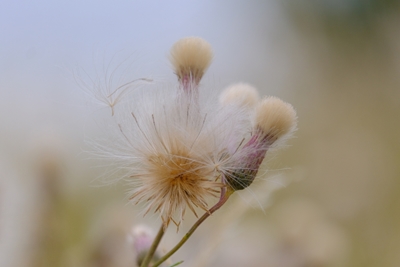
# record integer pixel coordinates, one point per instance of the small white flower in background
(181, 146)
(142, 237)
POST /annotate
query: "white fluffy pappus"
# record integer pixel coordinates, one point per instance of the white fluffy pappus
(275, 118)
(111, 83)
(174, 147)
(190, 58)
(241, 94)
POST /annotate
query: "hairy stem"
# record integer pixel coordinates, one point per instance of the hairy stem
(221, 202)
(153, 248)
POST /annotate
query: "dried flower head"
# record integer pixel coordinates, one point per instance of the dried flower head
(241, 94)
(274, 118)
(190, 58)
(177, 142)
(181, 147)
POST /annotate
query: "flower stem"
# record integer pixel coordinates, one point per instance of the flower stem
(221, 202)
(153, 248)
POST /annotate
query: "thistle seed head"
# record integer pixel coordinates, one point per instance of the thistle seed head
(274, 118)
(180, 148)
(190, 58)
(174, 180)
(241, 94)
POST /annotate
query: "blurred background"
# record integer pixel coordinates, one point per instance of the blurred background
(330, 198)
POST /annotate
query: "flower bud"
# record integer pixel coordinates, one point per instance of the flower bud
(273, 120)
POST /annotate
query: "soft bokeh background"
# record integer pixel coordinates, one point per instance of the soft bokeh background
(337, 62)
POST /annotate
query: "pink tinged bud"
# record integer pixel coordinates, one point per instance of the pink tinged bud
(142, 244)
(254, 152)
(273, 120)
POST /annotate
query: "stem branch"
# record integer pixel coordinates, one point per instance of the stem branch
(221, 202)
(153, 248)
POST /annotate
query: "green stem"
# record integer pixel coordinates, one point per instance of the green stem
(221, 202)
(153, 248)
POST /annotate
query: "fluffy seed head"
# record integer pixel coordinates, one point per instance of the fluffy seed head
(174, 146)
(241, 94)
(191, 57)
(274, 118)
(175, 180)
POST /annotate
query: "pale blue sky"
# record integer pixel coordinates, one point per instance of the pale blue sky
(42, 42)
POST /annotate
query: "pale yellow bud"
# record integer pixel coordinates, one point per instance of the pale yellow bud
(191, 57)
(275, 118)
(241, 94)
